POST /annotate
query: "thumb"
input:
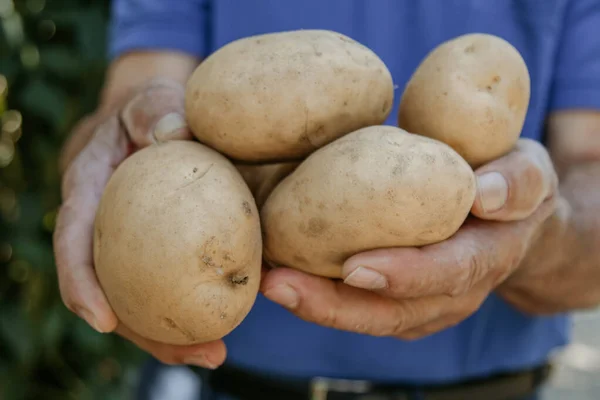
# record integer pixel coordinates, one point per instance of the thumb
(156, 113)
(514, 186)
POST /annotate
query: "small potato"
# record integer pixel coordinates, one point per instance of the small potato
(280, 96)
(177, 244)
(262, 178)
(472, 93)
(374, 188)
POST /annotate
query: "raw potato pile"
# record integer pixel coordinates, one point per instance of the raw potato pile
(292, 143)
(389, 187)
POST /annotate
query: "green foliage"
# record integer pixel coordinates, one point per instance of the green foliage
(52, 55)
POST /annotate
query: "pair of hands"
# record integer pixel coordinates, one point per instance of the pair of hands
(405, 292)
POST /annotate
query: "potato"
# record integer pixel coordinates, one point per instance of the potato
(373, 188)
(177, 244)
(472, 93)
(262, 178)
(280, 96)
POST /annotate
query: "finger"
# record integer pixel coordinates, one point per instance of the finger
(431, 328)
(513, 187)
(156, 113)
(458, 310)
(333, 304)
(206, 355)
(73, 236)
(82, 134)
(452, 267)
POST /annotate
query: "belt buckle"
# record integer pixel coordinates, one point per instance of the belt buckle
(320, 387)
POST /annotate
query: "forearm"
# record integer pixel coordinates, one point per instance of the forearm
(124, 75)
(561, 272)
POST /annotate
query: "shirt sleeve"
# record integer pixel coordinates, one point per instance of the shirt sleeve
(178, 25)
(576, 81)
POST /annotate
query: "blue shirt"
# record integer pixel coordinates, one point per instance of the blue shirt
(560, 42)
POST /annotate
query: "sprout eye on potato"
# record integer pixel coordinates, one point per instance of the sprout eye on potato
(376, 187)
(472, 93)
(177, 244)
(280, 96)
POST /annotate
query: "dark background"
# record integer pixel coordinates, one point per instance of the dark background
(52, 58)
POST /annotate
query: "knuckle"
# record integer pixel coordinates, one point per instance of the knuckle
(538, 176)
(362, 328)
(147, 106)
(403, 319)
(329, 318)
(68, 298)
(471, 268)
(465, 277)
(132, 114)
(398, 327)
(534, 186)
(533, 171)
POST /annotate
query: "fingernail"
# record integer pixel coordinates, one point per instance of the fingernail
(493, 191)
(167, 125)
(366, 278)
(284, 295)
(199, 360)
(89, 318)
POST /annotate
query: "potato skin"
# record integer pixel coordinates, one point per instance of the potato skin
(280, 96)
(177, 244)
(374, 188)
(263, 178)
(472, 93)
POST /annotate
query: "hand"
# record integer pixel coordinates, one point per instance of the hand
(413, 292)
(153, 113)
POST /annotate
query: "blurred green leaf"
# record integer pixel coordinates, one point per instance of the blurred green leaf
(13, 386)
(53, 328)
(91, 35)
(54, 77)
(61, 61)
(34, 252)
(17, 330)
(45, 100)
(90, 339)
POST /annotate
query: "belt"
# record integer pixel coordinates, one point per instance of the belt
(245, 385)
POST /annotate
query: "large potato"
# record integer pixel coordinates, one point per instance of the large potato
(471, 92)
(177, 244)
(374, 188)
(280, 96)
(263, 178)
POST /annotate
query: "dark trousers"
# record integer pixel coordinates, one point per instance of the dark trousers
(154, 375)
